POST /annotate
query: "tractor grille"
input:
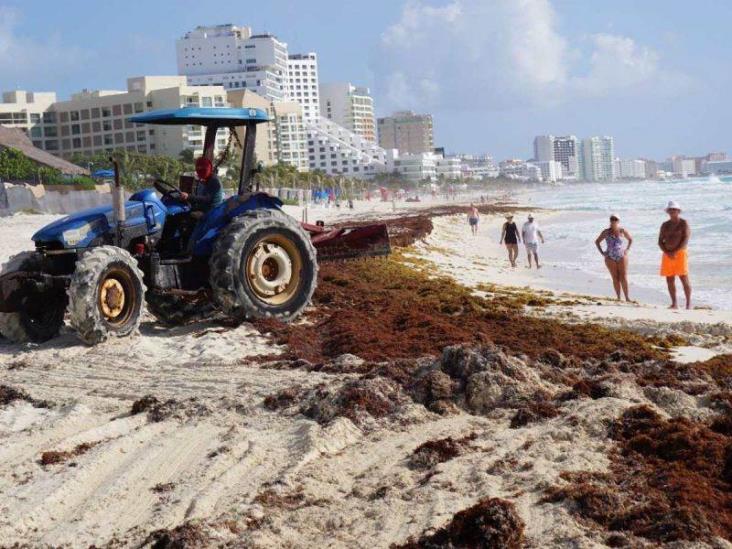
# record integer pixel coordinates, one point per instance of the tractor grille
(49, 246)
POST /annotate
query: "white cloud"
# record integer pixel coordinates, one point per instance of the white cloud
(23, 59)
(502, 54)
(618, 64)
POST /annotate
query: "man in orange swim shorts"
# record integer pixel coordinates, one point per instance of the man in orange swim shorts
(673, 239)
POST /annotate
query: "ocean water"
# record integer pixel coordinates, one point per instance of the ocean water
(706, 203)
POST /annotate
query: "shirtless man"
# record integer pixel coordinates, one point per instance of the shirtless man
(473, 217)
(673, 239)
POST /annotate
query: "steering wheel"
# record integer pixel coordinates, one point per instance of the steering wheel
(168, 189)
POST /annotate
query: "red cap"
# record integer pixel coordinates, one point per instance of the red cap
(204, 168)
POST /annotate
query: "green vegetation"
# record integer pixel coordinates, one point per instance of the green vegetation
(14, 165)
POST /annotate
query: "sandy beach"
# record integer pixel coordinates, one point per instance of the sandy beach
(437, 381)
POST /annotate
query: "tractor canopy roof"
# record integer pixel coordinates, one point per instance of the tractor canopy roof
(202, 116)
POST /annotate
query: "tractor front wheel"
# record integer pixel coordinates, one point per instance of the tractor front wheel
(41, 314)
(263, 266)
(106, 295)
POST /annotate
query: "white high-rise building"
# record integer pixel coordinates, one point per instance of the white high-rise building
(349, 106)
(282, 139)
(551, 170)
(598, 158)
(337, 151)
(303, 84)
(564, 150)
(630, 168)
(682, 166)
(233, 57)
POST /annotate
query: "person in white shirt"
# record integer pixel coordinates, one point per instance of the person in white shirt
(531, 234)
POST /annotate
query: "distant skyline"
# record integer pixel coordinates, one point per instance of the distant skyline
(494, 74)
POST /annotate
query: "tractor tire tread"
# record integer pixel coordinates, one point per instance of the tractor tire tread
(84, 315)
(171, 310)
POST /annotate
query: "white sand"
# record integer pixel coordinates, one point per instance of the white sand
(220, 458)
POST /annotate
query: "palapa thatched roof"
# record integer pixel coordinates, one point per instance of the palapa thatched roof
(17, 139)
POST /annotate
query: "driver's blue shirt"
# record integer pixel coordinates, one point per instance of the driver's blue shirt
(207, 194)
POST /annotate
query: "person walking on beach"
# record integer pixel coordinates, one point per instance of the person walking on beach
(673, 239)
(510, 235)
(532, 234)
(473, 218)
(616, 254)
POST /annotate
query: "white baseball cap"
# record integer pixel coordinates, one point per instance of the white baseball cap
(673, 205)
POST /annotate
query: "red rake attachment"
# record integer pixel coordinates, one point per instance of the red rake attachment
(349, 242)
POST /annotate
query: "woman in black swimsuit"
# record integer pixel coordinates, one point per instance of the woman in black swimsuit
(511, 237)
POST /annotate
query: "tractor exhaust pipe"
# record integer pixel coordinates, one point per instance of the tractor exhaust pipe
(119, 211)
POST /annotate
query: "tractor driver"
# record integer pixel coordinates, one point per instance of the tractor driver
(208, 192)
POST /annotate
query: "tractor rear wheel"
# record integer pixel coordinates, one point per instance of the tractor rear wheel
(42, 314)
(106, 295)
(263, 266)
(173, 310)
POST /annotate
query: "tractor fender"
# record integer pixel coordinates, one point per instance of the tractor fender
(219, 218)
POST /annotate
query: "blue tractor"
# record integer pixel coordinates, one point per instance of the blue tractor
(244, 258)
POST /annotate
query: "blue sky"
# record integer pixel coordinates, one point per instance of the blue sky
(655, 74)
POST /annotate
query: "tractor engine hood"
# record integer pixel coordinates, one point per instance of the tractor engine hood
(79, 230)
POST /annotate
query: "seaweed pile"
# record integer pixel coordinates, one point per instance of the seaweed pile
(488, 524)
(54, 457)
(10, 394)
(670, 479)
(385, 310)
